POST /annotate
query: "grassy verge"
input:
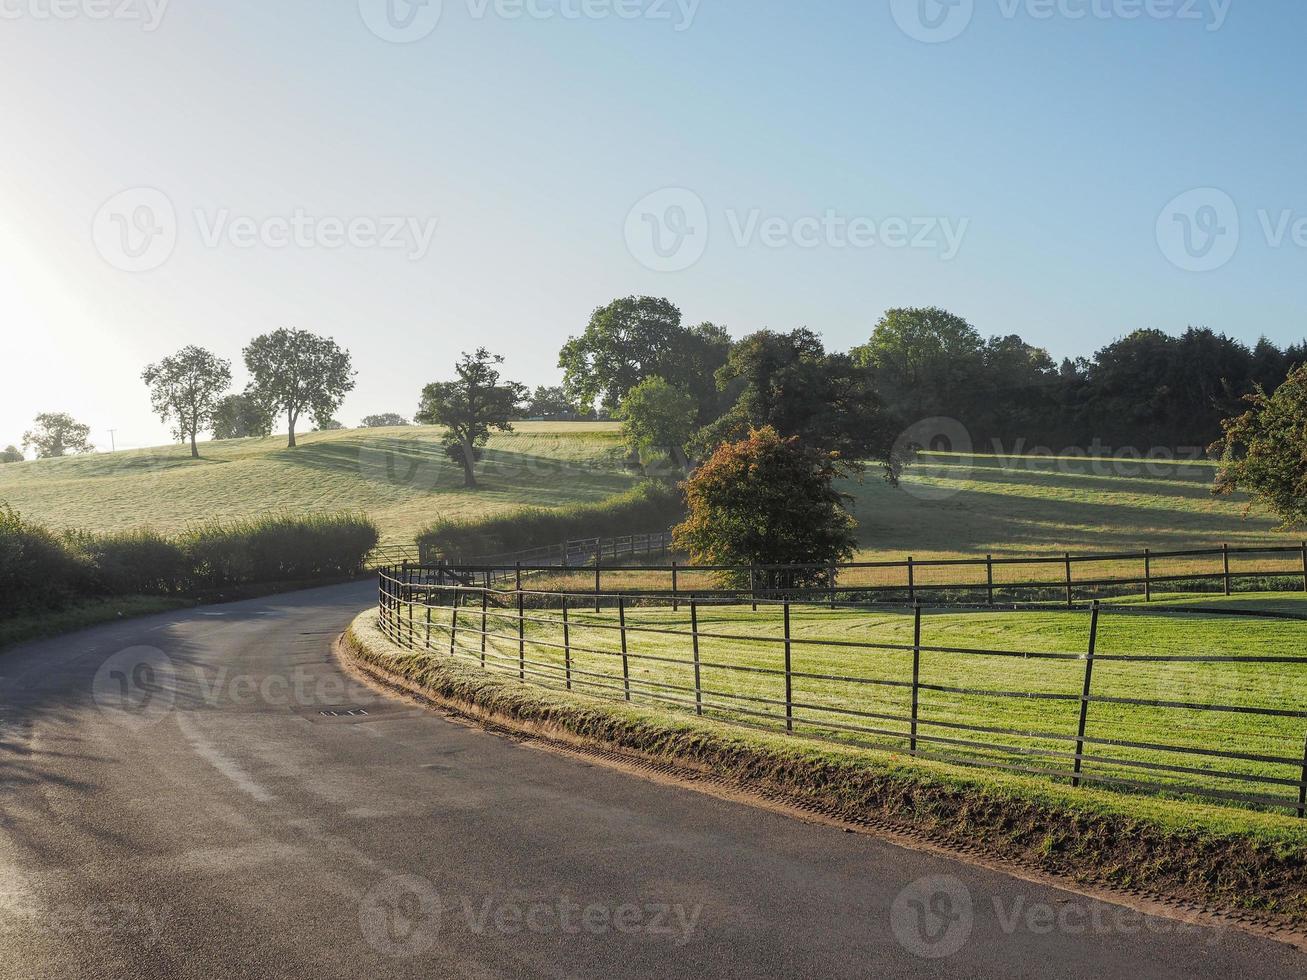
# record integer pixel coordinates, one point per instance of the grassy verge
(1208, 854)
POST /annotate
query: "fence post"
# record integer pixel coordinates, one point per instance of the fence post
(1225, 562)
(753, 586)
(1148, 575)
(676, 602)
(912, 581)
(1304, 566)
(567, 646)
(485, 600)
(453, 623)
(521, 638)
(1084, 696)
(989, 577)
(789, 678)
(518, 573)
(408, 598)
(1070, 601)
(1302, 789)
(427, 604)
(916, 674)
(596, 583)
(694, 635)
(833, 572)
(626, 667)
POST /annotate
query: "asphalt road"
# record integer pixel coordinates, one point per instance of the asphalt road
(177, 804)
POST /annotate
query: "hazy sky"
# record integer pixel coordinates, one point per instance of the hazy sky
(184, 172)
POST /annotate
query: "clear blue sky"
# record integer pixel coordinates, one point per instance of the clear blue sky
(1054, 143)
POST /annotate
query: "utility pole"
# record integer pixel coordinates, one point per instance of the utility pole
(113, 445)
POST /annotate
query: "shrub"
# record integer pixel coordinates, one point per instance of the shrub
(648, 507)
(133, 563)
(36, 570)
(279, 548)
(766, 500)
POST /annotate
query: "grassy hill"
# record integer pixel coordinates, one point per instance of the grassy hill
(399, 476)
(946, 504)
(950, 504)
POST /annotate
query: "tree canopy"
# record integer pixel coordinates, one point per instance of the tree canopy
(11, 454)
(470, 407)
(57, 434)
(657, 417)
(185, 388)
(238, 416)
(294, 371)
(383, 421)
(767, 500)
(1264, 450)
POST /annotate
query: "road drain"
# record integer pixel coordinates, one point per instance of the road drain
(343, 712)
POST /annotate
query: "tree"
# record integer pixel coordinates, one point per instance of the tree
(767, 500)
(11, 455)
(635, 338)
(470, 407)
(549, 402)
(239, 417)
(329, 425)
(1264, 450)
(919, 358)
(385, 420)
(789, 382)
(657, 417)
(186, 388)
(294, 371)
(57, 434)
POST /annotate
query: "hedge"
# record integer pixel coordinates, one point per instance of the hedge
(41, 570)
(648, 507)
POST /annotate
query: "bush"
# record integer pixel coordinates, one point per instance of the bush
(648, 507)
(40, 570)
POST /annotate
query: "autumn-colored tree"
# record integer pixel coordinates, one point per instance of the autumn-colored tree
(1264, 451)
(767, 500)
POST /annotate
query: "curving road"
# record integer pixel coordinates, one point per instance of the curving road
(205, 794)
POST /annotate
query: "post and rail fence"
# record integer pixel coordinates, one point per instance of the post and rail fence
(1168, 744)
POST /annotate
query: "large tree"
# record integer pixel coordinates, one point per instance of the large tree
(186, 388)
(767, 500)
(657, 417)
(638, 337)
(789, 382)
(57, 434)
(470, 407)
(239, 416)
(921, 358)
(1264, 450)
(294, 371)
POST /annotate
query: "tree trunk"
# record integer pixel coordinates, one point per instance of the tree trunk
(291, 443)
(195, 451)
(469, 461)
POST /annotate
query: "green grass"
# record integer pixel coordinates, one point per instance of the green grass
(20, 629)
(949, 505)
(400, 477)
(753, 643)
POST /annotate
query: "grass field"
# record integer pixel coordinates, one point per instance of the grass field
(399, 476)
(829, 674)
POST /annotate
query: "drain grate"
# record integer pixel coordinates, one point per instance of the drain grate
(343, 712)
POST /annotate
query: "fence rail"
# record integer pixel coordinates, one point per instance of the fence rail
(573, 553)
(988, 707)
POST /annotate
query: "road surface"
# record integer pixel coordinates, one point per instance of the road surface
(201, 794)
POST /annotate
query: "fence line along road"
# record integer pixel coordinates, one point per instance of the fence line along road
(994, 707)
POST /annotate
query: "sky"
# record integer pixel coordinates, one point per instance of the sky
(419, 180)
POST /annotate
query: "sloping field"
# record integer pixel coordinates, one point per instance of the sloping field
(399, 476)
